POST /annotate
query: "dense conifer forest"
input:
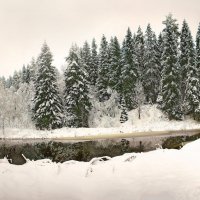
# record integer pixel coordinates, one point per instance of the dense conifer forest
(145, 69)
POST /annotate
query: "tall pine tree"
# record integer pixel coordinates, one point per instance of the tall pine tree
(139, 52)
(197, 64)
(115, 65)
(94, 63)
(197, 60)
(76, 99)
(171, 94)
(48, 109)
(159, 51)
(129, 73)
(103, 71)
(190, 81)
(86, 61)
(151, 71)
(187, 56)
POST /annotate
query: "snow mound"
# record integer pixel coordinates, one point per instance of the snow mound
(158, 175)
(192, 146)
(149, 114)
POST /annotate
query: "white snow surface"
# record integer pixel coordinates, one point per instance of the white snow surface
(152, 119)
(156, 175)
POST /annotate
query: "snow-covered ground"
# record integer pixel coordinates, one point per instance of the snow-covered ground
(152, 119)
(157, 175)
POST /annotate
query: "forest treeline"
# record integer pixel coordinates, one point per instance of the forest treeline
(144, 69)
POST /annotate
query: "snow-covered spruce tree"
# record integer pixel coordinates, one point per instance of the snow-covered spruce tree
(124, 114)
(76, 99)
(160, 44)
(115, 65)
(190, 81)
(192, 91)
(86, 60)
(187, 56)
(197, 67)
(103, 71)
(47, 109)
(197, 60)
(94, 63)
(171, 94)
(159, 51)
(139, 52)
(129, 73)
(151, 71)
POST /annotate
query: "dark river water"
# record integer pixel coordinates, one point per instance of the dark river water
(60, 151)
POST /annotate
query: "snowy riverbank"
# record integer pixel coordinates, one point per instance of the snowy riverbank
(152, 119)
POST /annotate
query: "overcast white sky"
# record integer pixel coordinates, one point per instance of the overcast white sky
(25, 24)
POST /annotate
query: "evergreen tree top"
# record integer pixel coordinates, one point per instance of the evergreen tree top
(45, 58)
(128, 37)
(139, 38)
(185, 31)
(103, 51)
(160, 39)
(104, 43)
(86, 49)
(129, 32)
(86, 54)
(172, 23)
(139, 31)
(73, 54)
(94, 45)
(149, 32)
(114, 44)
(198, 49)
(198, 39)
(187, 45)
(149, 29)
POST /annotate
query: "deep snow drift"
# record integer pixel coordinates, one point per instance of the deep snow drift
(152, 119)
(157, 175)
